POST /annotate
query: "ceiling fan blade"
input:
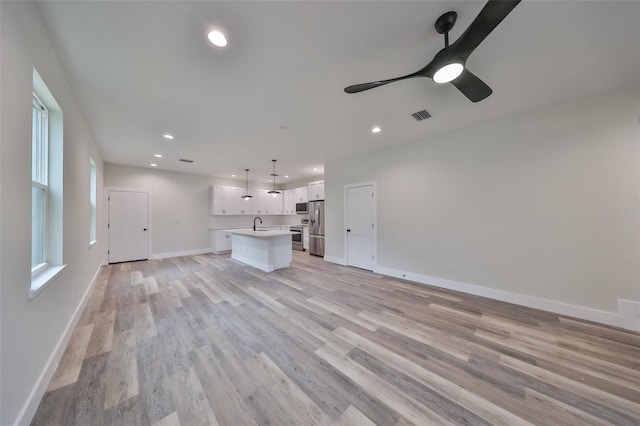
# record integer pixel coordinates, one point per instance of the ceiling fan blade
(471, 86)
(487, 20)
(366, 86)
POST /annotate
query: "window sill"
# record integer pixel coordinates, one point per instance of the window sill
(41, 280)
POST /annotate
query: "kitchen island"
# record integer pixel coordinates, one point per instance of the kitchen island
(264, 249)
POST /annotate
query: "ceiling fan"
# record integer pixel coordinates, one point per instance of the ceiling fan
(448, 65)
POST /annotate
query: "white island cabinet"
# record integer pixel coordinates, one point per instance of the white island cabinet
(265, 250)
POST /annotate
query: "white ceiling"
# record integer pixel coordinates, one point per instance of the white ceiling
(143, 68)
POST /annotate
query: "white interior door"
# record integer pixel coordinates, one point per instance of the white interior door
(128, 226)
(361, 226)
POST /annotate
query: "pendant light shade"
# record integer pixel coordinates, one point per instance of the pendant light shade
(273, 192)
(247, 196)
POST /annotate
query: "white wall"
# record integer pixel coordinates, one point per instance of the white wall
(33, 331)
(179, 205)
(520, 205)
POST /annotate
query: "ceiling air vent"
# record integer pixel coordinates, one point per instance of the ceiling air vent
(184, 160)
(421, 115)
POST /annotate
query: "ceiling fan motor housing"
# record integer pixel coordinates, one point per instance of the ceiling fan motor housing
(445, 23)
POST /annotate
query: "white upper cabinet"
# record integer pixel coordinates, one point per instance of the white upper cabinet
(301, 195)
(267, 203)
(316, 190)
(260, 201)
(225, 200)
(246, 206)
(275, 203)
(289, 201)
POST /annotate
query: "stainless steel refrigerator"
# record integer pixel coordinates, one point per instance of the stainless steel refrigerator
(316, 228)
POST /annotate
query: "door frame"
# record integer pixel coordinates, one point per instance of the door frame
(374, 186)
(105, 258)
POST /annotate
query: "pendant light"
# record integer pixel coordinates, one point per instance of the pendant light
(273, 192)
(247, 196)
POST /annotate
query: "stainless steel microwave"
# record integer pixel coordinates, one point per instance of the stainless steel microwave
(302, 208)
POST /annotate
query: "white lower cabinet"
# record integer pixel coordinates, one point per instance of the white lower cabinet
(221, 241)
(305, 237)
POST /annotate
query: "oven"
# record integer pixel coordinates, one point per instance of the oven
(296, 238)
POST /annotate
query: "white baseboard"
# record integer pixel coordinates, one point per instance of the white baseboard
(180, 253)
(221, 252)
(31, 405)
(631, 321)
(338, 260)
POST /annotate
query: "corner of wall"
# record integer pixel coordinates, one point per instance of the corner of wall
(338, 260)
(629, 314)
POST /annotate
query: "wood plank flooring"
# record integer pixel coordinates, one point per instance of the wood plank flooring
(205, 340)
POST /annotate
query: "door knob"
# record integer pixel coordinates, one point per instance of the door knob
(144, 229)
(348, 230)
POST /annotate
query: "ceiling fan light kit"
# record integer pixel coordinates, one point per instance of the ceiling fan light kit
(449, 64)
(448, 73)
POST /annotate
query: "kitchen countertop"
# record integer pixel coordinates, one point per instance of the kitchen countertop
(261, 234)
(232, 228)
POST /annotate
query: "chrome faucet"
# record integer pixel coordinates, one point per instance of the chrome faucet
(254, 222)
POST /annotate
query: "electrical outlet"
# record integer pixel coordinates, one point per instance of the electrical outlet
(452, 266)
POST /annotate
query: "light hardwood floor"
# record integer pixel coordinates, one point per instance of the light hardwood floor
(205, 340)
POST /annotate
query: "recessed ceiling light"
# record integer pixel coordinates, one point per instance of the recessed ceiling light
(286, 176)
(153, 165)
(217, 38)
(157, 155)
(376, 129)
(233, 175)
(315, 169)
(168, 136)
(270, 180)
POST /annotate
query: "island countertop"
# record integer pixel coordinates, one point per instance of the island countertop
(261, 233)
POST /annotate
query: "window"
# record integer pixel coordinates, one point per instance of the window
(46, 187)
(39, 187)
(93, 194)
